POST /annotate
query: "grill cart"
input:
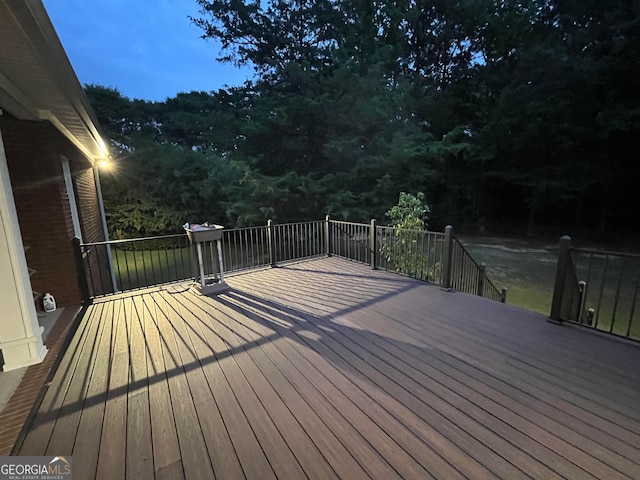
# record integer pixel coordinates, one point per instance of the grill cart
(206, 240)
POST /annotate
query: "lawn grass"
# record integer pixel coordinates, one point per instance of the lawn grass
(143, 268)
(531, 297)
(527, 269)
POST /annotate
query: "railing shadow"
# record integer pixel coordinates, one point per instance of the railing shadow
(269, 318)
(401, 279)
(266, 314)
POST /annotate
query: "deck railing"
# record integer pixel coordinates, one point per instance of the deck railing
(469, 276)
(245, 248)
(349, 240)
(597, 289)
(295, 241)
(122, 265)
(436, 257)
(416, 253)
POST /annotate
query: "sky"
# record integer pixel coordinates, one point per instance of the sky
(147, 49)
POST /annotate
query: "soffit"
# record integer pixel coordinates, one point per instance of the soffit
(37, 81)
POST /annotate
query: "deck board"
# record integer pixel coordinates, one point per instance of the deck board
(300, 374)
(282, 460)
(568, 434)
(221, 450)
(167, 460)
(182, 379)
(139, 454)
(38, 437)
(327, 369)
(484, 400)
(460, 449)
(64, 435)
(339, 441)
(490, 401)
(87, 440)
(507, 436)
(294, 439)
(394, 441)
(538, 367)
(531, 394)
(111, 459)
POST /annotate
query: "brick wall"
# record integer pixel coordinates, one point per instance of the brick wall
(96, 259)
(33, 152)
(87, 200)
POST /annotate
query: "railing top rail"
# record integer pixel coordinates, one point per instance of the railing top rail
(241, 229)
(469, 256)
(295, 223)
(492, 285)
(343, 222)
(128, 240)
(604, 252)
(164, 237)
(430, 232)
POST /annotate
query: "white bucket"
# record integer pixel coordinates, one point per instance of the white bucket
(49, 302)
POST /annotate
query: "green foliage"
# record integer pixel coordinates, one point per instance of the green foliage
(405, 246)
(411, 212)
(505, 112)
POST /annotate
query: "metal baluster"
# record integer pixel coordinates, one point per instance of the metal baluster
(183, 273)
(252, 239)
(237, 250)
(633, 306)
(144, 264)
(245, 250)
(604, 279)
(166, 257)
(126, 261)
(617, 298)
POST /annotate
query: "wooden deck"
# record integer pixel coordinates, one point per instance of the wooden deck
(326, 369)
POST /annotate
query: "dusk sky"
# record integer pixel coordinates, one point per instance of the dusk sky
(145, 48)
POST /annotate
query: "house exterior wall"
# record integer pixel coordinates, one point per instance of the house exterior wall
(96, 260)
(87, 199)
(33, 151)
(20, 334)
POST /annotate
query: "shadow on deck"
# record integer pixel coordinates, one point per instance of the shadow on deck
(327, 369)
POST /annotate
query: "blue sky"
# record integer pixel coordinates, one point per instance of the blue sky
(145, 48)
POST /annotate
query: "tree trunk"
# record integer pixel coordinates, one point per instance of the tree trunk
(579, 208)
(534, 201)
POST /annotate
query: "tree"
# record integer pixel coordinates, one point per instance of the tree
(517, 112)
(166, 171)
(545, 86)
(280, 39)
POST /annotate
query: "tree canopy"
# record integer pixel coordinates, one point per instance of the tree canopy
(501, 112)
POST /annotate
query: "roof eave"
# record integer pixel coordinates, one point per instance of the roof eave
(56, 95)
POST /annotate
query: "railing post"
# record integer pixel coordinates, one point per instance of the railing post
(561, 275)
(482, 275)
(447, 257)
(327, 233)
(373, 245)
(272, 243)
(504, 295)
(83, 283)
